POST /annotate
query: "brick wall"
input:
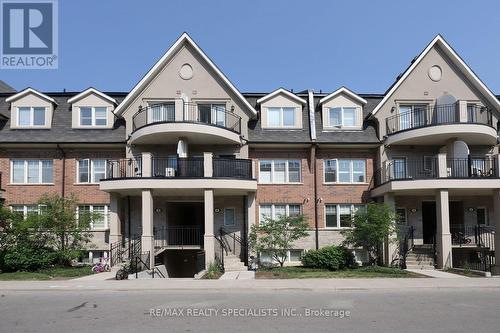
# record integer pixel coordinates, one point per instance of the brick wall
(30, 194)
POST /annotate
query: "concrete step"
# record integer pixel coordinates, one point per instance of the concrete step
(419, 267)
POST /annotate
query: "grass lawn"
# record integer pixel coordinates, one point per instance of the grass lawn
(58, 273)
(311, 273)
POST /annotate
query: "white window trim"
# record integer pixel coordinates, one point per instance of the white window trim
(91, 170)
(25, 169)
(91, 207)
(273, 209)
(351, 171)
(93, 116)
(25, 208)
(288, 256)
(234, 215)
(357, 114)
(281, 124)
(287, 173)
(32, 117)
(337, 207)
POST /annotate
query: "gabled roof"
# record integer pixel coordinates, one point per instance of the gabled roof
(343, 90)
(281, 91)
(5, 88)
(30, 91)
(89, 91)
(459, 62)
(184, 38)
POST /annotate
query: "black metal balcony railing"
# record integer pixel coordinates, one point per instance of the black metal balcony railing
(208, 114)
(124, 168)
(232, 168)
(424, 116)
(403, 169)
(190, 167)
(473, 235)
(182, 235)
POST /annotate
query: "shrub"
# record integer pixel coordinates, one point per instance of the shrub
(214, 270)
(331, 257)
(23, 258)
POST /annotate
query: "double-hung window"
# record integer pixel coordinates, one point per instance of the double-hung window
(91, 170)
(345, 171)
(31, 171)
(279, 171)
(28, 116)
(273, 211)
(93, 116)
(340, 215)
(98, 215)
(280, 117)
(343, 117)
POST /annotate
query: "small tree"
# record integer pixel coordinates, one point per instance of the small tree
(371, 227)
(276, 236)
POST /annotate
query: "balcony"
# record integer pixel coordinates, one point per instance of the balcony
(199, 123)
(187, 175)
(436, 124)
(437, 172)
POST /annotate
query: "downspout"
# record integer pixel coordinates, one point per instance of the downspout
(128, 219)
(245, 229)
(312, 129)
(63, 187)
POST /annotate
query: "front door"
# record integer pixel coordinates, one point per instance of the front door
(456, 213)
(429, 221)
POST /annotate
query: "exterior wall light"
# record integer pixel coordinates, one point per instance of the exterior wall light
(413, 210)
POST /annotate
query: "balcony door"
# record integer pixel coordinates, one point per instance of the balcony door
(412, 116)
(161, 112)
(399, 168)
(214, 114)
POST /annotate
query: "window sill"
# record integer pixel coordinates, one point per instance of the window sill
(31, 128)
(280, 183)
(339, 129)
(282, 128)
(92, 127)
(30, 184)
(337, 228)
(337, 183)
(85, 184)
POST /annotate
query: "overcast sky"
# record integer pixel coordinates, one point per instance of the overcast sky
(262, 44)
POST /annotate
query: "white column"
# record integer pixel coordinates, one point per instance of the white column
(147, 225)
(115, 226)
(496, 216)
(462, 106)
(208, 239)
(207, 164)
(182, 148)
(443, 235)
(146, 164)
(390, 245)
(442, 165)
(251, 210)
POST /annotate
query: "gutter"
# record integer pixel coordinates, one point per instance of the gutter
(63, 187)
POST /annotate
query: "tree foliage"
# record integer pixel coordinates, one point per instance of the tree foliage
(276, 236)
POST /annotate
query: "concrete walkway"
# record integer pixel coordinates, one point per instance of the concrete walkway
(239, 275)
(97, 277)
(437, 274)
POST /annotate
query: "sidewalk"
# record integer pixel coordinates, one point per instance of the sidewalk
(302, 284)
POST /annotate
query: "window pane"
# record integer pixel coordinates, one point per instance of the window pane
(358, 171)
(229, 218)
(18, 209)
(24, 116)
(85, 116)
(330, 170)
(279, 210)
(335, 116)
(279, 171)
(34, 172)
(481, 216)
(47, 172)
(344, 171)
(219, 114)
(404, 117)
(289, 116)
(39, 116)
(294, 171)
(293, 210)
(265, 171)
(273, 117)
(31, 210)
(349, 116)
(295, 255)
(83, 171)
(401, 212)
(345, 216)
(331, 216)
(99, 217)
(265, 212)
(101, 116)
(99, 170)
(84, 212)
(18, 172)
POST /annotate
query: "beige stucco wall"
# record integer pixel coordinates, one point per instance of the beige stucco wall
(91, 100)
(31, 100)
(341, 100)
(281, 100)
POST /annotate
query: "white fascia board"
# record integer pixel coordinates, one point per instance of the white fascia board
(30, 91)
(281, 91)
(164, 59)
(91, 91)
(343, 90)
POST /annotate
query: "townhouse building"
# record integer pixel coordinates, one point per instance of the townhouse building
(184, 164)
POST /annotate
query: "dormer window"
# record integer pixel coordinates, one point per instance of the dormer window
(343, 117)
(28, 116)
(93, 116)
(281, 117)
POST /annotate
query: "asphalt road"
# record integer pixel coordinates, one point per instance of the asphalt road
(426, 310)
